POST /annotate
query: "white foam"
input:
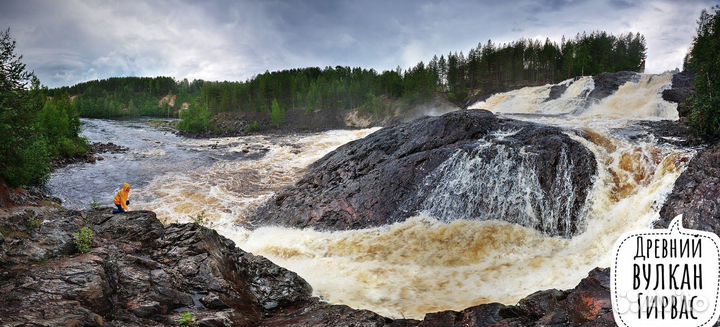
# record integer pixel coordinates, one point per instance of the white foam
(428, 264)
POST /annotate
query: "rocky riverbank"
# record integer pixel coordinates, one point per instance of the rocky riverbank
(696, 193)
(141, 273)
(91, 156)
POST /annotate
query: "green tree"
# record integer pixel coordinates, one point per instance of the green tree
(703, 61)
(277, 114)
(24, 155)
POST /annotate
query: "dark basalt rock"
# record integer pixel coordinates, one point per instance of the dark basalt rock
(314, 313)
(149, 279)
(588, 304)
(683, 87)
(109, 147)
(91, 156)
(556, 91)
(387, 176)
(139, 273)
(607, 83)
(696, 194)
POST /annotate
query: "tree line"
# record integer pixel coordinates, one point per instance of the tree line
(34, 127)
(703, 60)
(486, 69)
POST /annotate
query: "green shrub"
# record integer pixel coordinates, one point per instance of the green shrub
(252, 127)
(72, 147)
(186, 319)
(84, 239)
(277, 114)
(95, 205)
(195, 119)
(34, 223)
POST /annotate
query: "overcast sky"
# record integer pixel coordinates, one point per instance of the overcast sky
(70, 41)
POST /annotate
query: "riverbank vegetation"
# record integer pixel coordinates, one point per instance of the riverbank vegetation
(458, 77)
(703, 61)
(34, 128)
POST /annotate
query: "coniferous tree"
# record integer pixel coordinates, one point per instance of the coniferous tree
(704, 61)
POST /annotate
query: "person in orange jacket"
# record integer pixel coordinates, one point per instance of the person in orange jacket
(122, 199)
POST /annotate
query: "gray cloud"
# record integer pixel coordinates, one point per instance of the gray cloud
(66, 42)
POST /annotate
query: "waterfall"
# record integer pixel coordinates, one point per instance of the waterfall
(634, 100)
(478, 236)
(500, 182)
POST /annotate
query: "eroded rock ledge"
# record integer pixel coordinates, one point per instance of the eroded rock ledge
(141, 273)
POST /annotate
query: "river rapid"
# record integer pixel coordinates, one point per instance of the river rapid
(434, 261)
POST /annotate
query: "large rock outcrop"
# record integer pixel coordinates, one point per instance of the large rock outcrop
(696, 194)
(141, 273)
(588, 304)
(682, 89)
(487, 163)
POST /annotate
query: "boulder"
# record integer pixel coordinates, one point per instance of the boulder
(695, 194)
(401, 170)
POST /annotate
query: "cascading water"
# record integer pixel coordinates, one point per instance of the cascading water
(451, 255)
(502, 185)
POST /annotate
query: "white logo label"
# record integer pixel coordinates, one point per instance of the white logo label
(666, 278)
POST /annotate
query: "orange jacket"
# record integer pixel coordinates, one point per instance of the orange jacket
(122, 197)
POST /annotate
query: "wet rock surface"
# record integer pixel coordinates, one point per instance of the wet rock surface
(682, 88)
(386, 176)
(91, 156)
(556, 91)
(696, 194)
(607, 83)
(141, 273)
(108, 147)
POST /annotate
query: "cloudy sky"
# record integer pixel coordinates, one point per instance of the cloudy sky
(70, 41)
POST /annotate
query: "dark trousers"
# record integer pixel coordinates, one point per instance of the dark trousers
(119, 209)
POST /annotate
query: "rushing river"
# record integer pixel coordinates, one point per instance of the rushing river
(427, 263)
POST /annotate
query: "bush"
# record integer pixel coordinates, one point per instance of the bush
(84, 239)
(277, 114)
(186, 319)
(252, 127)
(59, 122)
(34, 223)
(72, 147)
(195, 119)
